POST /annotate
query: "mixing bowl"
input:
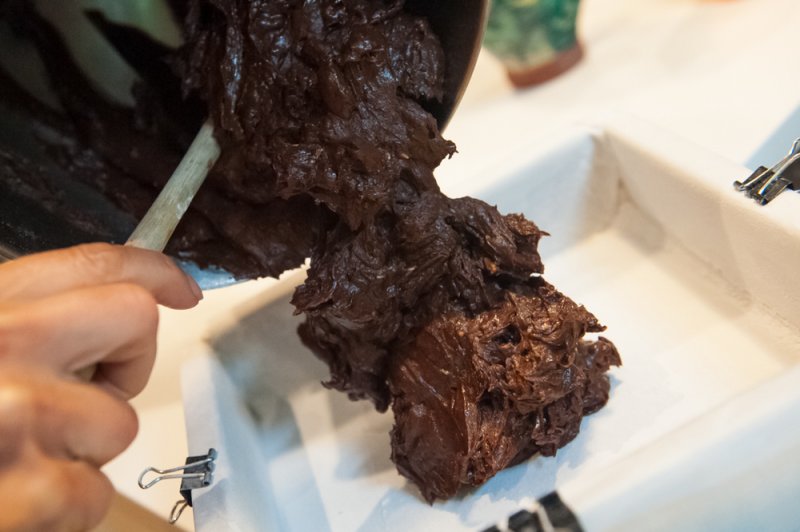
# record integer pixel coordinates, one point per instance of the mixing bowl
(27, 227)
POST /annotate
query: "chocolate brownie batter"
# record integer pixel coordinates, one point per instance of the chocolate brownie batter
(429, 305)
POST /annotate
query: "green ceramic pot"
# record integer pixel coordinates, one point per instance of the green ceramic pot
(535, 39)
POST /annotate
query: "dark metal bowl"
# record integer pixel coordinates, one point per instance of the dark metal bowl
(27, 227)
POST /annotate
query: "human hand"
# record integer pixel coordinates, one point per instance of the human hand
(60, 312)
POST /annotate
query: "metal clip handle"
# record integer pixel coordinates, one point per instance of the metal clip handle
(764, 184)
(205, 464)
(177, 510)
(197, 472)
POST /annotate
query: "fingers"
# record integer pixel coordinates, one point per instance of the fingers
(88, 495)
(53, 495)
(67, 420)
(61, 312)
(45, 274)
(54, 435)
(112, 325)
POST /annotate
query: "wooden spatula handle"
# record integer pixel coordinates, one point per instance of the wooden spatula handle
(157, 226)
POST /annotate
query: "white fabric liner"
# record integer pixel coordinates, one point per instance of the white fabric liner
(691, 278)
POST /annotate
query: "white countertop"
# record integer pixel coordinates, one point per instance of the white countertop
(720, 73)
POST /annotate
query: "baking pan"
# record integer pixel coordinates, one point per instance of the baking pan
(694, 283)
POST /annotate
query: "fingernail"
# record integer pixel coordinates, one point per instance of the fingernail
(194, 287)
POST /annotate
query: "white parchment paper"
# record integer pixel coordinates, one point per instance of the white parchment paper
(648, 234)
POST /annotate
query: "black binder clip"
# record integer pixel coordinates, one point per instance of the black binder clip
(548, 514)
(197, 472)
(765, 184)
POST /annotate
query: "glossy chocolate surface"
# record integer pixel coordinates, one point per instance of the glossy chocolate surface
(431, 306)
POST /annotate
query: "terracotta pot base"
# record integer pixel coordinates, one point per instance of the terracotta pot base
(562, 62)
